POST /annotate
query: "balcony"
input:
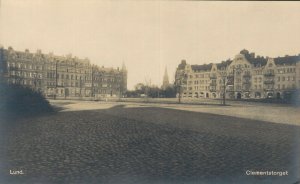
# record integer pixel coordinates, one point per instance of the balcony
(246, 82)
(269, 89)
(246, 87)
(213, 77)
(269, 82)
(269, 74)
(212, 89)
(247, 76)
(230, 88)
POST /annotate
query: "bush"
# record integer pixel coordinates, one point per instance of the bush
(17, 100)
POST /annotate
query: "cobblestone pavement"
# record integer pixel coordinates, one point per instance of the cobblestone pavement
(146, 145)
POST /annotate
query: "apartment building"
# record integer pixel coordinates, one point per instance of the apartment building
(62, 77)
(245, 76)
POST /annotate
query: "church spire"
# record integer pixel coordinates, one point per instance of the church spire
(165, 80)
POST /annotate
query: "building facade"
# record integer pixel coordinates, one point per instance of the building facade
(246, 76)
(62, 77)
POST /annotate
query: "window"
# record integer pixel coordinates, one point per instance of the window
(278, 79)
(283, 78)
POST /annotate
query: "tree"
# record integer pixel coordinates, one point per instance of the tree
(169, 92)
(180, 81)
(224, 76)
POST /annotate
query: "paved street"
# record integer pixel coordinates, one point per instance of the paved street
(97, 142)
(275, 113)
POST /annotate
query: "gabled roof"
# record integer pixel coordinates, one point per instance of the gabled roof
(224, 64)
(262, 61)
(287, 60)
(202, 67)
(258, 61)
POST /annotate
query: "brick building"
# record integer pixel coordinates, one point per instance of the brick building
(62, 77)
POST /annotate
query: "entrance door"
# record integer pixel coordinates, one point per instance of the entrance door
(278, 95)
(67, 93)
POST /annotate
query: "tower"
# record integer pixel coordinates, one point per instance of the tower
(165, 80)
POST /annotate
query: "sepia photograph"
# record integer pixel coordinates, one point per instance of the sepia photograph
(149, 92)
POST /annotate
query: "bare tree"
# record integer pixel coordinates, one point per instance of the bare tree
(223, 74)
(180, 81)
(147, 86)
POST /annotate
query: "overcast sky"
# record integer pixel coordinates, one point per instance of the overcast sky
(150, 35)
